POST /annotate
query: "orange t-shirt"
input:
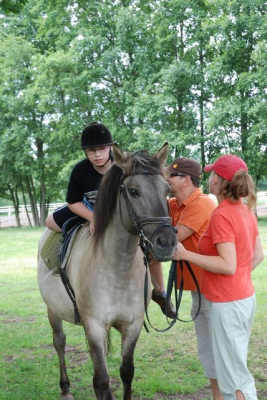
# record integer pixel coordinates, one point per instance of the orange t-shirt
(194, 212)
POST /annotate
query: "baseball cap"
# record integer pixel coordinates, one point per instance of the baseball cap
(226, 166)
(186, 166)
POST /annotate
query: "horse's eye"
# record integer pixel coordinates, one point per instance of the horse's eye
(133, 192)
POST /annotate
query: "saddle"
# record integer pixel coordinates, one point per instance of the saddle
(58, 245)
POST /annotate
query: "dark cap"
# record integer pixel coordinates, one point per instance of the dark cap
(186, 166)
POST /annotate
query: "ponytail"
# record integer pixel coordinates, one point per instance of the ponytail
(241, 186)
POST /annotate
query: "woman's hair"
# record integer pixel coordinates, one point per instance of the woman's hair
(241, 186)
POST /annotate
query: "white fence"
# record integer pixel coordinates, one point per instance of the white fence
(7, 214)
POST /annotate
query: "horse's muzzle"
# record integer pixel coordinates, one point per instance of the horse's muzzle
(164, 242)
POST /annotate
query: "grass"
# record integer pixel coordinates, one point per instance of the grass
(167, 366)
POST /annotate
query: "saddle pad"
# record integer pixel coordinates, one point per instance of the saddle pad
(51, 249)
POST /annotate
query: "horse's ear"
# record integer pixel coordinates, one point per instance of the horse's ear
(119, 156)
(163, 152)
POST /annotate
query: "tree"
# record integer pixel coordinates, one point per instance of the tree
(232, 120)
(151, 71)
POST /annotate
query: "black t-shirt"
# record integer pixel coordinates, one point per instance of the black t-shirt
(84, 181)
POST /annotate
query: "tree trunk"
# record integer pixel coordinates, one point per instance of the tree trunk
(26, 208)
(14, 197)
(30, 186)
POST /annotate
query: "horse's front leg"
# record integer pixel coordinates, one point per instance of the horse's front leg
(129, 340)
(97, 339)
(59, 340)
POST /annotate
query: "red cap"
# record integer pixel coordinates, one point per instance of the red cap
(226, 166)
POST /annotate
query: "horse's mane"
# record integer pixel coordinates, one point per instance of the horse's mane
(137, 163)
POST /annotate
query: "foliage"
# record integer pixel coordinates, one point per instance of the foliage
(192, 73)
(12, 6)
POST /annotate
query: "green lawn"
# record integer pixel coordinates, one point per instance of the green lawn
(167, 366)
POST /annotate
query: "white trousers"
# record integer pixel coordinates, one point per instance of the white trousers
(202, 328)
(231, 325)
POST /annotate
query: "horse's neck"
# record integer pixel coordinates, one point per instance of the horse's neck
(124, 244)
(120, 240)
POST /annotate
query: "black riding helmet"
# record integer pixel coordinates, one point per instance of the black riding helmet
(96, 134)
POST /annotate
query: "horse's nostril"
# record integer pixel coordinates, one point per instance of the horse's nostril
(162, 241)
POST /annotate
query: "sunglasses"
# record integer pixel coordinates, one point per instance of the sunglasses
(176, 174)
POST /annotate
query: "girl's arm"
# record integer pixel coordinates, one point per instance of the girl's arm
(80, 209)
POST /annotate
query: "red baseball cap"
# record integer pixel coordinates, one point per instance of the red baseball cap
(226, 166)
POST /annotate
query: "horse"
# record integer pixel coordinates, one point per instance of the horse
(106, 269)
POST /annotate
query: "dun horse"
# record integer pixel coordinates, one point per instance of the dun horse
(106, 270)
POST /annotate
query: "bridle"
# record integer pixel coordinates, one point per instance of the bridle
(145, 244)
(139, 222)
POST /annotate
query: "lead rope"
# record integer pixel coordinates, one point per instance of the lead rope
(196, 283)
(172, 281)
(145, 248)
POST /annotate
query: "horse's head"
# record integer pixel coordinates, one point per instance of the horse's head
(143, 200)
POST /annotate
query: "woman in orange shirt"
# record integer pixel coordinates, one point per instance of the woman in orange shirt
(229, 250)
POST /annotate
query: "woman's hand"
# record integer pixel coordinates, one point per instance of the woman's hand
(180, 252)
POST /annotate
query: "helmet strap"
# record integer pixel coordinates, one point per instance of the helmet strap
(110, 157)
